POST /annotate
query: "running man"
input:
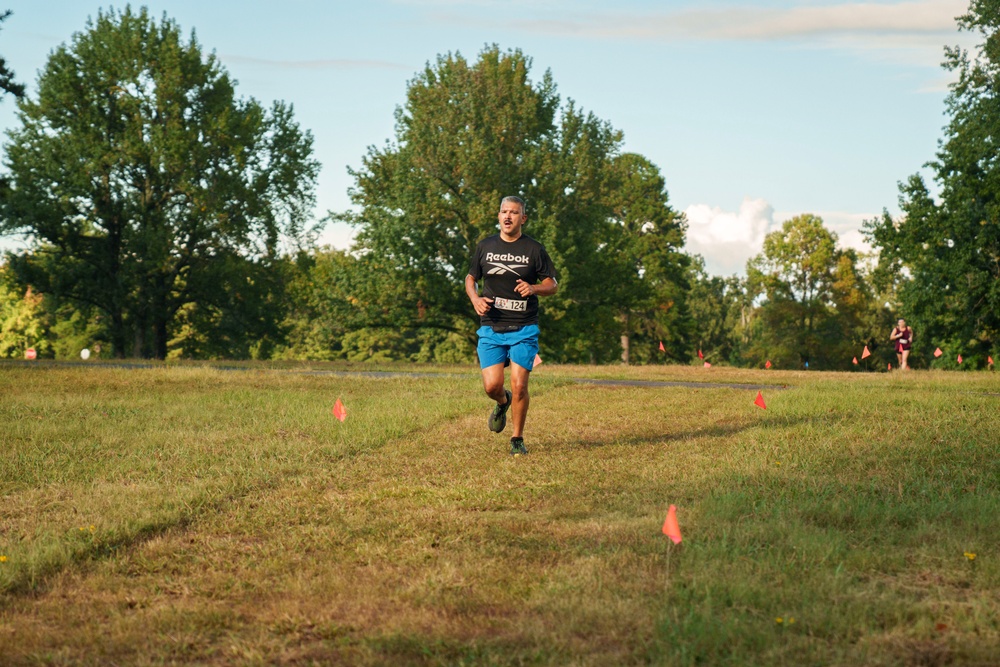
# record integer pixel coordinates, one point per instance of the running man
(515, 270)
(902, 336)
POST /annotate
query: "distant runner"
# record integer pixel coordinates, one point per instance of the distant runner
(515, 270)
(902, 335)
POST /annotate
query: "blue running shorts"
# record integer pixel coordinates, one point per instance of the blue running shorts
(519, 346)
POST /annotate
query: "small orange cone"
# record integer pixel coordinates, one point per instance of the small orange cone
(938, 352)
(538, 360)
(854, 361)
(767, 364)
(339, 411)
(759, 401)
(866, 353)
(670, 527)
(662, 349)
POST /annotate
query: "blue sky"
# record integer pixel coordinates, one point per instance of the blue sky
(754, 111)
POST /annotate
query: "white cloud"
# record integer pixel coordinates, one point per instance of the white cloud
(727, 239)
(912, 32)
(917, 18)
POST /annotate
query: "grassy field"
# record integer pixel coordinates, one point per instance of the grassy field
(189, 515)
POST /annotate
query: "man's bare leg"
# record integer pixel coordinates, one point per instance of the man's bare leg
(519, 388)
(493, 383)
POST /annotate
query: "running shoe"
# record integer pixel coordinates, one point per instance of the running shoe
(517, 446)
(498, 418)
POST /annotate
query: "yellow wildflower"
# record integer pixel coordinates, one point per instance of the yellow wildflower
(3, 559)
(970, 556)
(779, 620)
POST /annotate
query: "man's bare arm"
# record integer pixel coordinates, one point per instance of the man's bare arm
(480, 303)
(547, 287)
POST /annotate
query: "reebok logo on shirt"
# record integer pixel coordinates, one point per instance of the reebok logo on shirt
(499, 268)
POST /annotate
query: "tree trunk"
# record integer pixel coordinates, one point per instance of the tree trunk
(119, 341)
(160, 316)
(625, 343)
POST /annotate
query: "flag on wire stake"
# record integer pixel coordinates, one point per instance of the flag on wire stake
(759, 401)
(662, 349)
(767, 364)
(538, 360)
(866, 353)
(854, 361)
(959, 358)
(938, 352)
(671, 528)
(700, 355)
(339, 411)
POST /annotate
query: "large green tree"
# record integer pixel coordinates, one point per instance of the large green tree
(648, 279)
(151, 192)
(943, 253)
(721, 313)
(813, 298)
(470, 133)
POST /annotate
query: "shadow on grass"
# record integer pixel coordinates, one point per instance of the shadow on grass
(718, 430)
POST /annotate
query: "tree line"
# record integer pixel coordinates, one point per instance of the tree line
(167, 217)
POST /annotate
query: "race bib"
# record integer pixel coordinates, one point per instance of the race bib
(515, 305)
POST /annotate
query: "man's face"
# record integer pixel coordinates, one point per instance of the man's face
(511, 218)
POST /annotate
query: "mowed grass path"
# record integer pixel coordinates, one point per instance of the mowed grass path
(198, 516)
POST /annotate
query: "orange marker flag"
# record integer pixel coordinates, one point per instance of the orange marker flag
(889, 367)
(670, 527)
(662, 349)
(708, 365)
(700, 355)
(767, 364)
(989, 360)
(938, 352)
(538, 360)
(339, 411)
(959, 358)
(866, 353)
(854, 361)
(759, 401)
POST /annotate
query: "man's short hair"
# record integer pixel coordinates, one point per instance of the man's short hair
(518, 200)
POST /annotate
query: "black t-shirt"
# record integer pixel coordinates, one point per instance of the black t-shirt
(501, 264)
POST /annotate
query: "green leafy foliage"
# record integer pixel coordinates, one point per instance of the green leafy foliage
(23, 323)
(815, 303)
(722, 312)
(944, 251)
(8, 84)
(471, 133)
(152, 193)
